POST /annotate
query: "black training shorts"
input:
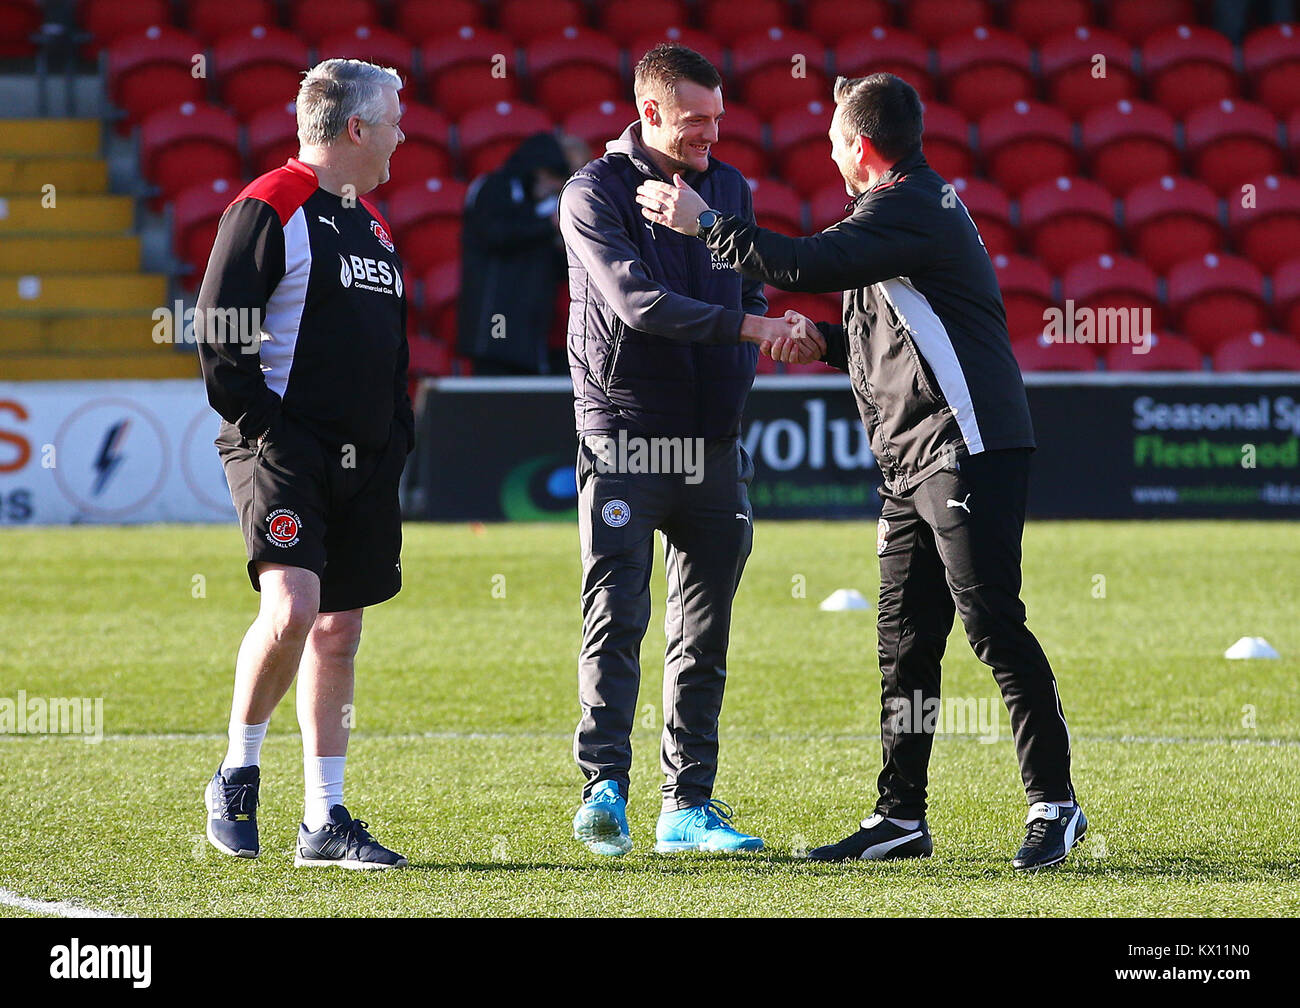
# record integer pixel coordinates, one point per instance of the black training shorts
(332, 510)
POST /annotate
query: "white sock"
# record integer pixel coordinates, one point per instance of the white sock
(907, 824)
(245, 745)
(324, 778)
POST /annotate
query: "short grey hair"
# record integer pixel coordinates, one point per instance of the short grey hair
(334, 91)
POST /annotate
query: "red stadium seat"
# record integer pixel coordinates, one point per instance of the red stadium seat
(441, 289)
(1065, 220)
(153, 69)
(1137, 20)
(1025, 144)
(828, 206)
(426, 220)
(1187, 66)
(777, 207)
(726, 19)
(212, 19)
(490, 133)
(375, 45)
(1272, 59)
(704, 44)
(1215, 296)
(426, 151)
(574, 61)
(1286, 295)
(1114, 281)
(934, 20)
(1165, 352)
(313, 20)
(259, 67)
(1129, 143)
(431, 358)
(526, 21)
(188, 144)
(469, 67)
(1260, 350)
(625, 21)
(833, 20)
(1036, 20)
(984, 69)
(1231, 142)
(1070, 67)
(815, 307)
(420, 20)
(1171, 219)
(947, 141)
(780, 68)
(1038, 353)
(991, 210)
(1268, 230)
(602, 122)
(766, 365)
(1026, 294)
(196, 213)
(740, 141)
(272, 137)
(886, 50)
(803, 148)
(108, 20)
(19, 21)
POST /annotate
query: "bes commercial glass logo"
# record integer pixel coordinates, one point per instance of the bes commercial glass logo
(541, 489)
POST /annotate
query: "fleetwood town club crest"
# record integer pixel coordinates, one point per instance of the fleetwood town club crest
(378, 231)
(282, 528)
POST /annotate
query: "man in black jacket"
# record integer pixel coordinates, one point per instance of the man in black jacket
(925, 344)
(660, 352)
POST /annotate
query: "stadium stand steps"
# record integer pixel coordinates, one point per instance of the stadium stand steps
(74, 303)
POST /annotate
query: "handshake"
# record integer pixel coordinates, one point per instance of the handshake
(791, 339)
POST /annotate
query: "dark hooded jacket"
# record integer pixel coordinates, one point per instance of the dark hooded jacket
(654, 319)
(512, 262)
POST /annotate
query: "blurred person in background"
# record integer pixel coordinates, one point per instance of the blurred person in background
(512, 258)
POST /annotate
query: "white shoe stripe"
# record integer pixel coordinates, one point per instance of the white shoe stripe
(878, 850)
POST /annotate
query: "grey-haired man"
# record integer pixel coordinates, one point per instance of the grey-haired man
(316, 427)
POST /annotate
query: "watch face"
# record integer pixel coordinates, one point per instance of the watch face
(708, 218)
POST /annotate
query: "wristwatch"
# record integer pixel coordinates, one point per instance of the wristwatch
(704, 221)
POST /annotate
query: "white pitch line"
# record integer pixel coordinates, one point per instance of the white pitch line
(60, 909)
(739, 736)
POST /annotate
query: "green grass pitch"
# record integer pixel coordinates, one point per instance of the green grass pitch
(1187, 764)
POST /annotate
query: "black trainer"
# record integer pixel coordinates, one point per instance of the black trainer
(1050, 834)
(343, 843)
(231, 798)
(878, 840)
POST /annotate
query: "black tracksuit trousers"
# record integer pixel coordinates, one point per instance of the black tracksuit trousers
(952, 544)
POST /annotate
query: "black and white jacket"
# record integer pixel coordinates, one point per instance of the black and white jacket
(325, 280)
(924, 333)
